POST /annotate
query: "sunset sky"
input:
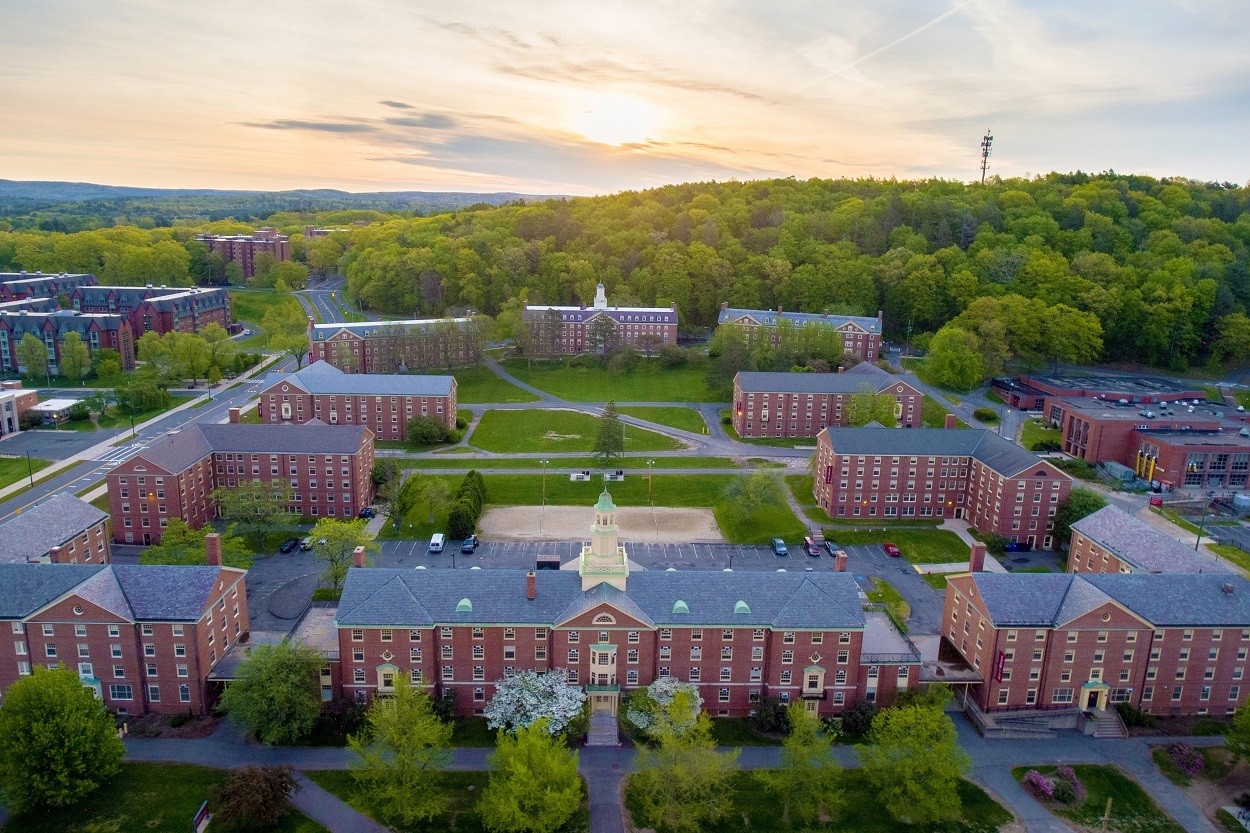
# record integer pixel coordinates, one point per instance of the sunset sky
(592, 97)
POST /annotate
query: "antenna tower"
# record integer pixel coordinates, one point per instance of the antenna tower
(985, 152)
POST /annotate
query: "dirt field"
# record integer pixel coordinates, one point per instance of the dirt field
(572, 523)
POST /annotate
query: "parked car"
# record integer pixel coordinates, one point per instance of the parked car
(436, 542)
(831, 547)
(305, 545)
(809, 547)
(289, 545)
(469, 545)
(779, 547)
(368, 512)
(891, 550)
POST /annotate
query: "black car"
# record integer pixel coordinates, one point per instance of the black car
(469, 545)
(831, 547)
(368, 512)
(289, 545)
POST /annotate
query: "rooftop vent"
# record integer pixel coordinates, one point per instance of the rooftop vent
(1228, 589)
(741, 607)
(680, 607)
(464, 606)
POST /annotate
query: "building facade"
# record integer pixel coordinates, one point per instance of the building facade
(328, 467)
(14, 401)
(17, 286)
(1113, 541)
(1167, 644)
(158, 309)
(143, 638)
(97, 331)
(599, 329)
(61, 529)
(243, 248)
(972, 474)
(383, 403)
(801, 404)
(395, 346)
(802, 637)
(861, 335)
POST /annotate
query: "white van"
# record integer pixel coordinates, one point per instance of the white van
(436, 542)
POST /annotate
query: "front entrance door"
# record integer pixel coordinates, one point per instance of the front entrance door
(603, 703)
(812, 707)
(1091, 701)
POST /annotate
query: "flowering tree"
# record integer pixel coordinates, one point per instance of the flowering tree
(525, 697)
(667, 702)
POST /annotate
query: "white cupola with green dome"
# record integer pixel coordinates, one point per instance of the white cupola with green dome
(605, 559)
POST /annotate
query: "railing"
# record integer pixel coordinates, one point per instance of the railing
(814, 695)
(882, 659)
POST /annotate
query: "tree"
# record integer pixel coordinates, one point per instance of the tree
(433, 492)
(527, 696)
(403, 748)
(954, 359)
(277, 692)
(75, 361)
(752, 492)
(256, 508)
(253, 798)
(914, 763)
(286, 328)
(426, 430)
(180, 544)
(334, 541)
(534, 787)
(190, 355)
(610, 442)
(682, 783)
(667, 705)
(32, 354)
(1080, 503)
(57, 742)
(221, 349)
(1237, 738)
(806, 782)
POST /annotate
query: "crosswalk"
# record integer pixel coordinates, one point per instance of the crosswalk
(119, 455)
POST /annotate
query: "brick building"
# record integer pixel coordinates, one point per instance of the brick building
(566, 331)
(1113, 541)
(16, 286)
(973, 474)
(803, 637)
(158, 309)
(97, 331)
(243, 248)
(143, 638)
(861, 335)
(1029, 393)
(395, 346)
(328, 467)
(61, 529)
(801, 404)
(14, 401)
(1168, 644)
(384, 403)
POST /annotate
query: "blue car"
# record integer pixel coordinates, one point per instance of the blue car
(779, 547)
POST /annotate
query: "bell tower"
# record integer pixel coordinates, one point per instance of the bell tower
(601, 297)
(605, 559)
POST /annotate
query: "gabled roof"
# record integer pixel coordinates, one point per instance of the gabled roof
(602, 594)
(1141, 545)
(104, 591)
(383, 329)
(170, 593)
(1002, 456)
(862, 375)
(25, 588)
(176, 451)
(62, 321)
(325, 378)
(134, 592)
(768, 318)
(49, 523)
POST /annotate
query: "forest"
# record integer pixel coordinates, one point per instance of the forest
(1061, 267)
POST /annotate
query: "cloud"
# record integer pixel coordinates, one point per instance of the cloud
(605, 71)
(398, 105)
(429, 121)
(314, 126)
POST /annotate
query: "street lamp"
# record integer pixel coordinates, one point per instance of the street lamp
(29, 469)
(543, 516)
(1202, 520)
(650, 463)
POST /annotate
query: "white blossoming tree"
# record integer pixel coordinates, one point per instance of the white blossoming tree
(667, 702)
(525, 697)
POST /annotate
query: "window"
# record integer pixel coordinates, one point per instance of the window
(573, 655)
(574, 637)
(118, 691)
(1062, 695)
(386, 634)
(787, 657)
(358, 635)
(184, 693)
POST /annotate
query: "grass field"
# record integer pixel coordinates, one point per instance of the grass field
(115, 420)
(473, 732)
(13, 469)
(1233, 555)
(755, 809)
(737, 731)
(918, 545)
(933, 414)
(1131, 808)
(685, 419)
(478, 386)
(562, 465)
(895, 605)
(249, 308)
(935, 580)
(1035, 431)
(161, 798)
(542, 430)
(774, 442)
(651, 382)
(463, 789)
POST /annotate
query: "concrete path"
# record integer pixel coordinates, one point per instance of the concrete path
(329, 811)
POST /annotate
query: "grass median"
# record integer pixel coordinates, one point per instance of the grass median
(551, 430)
(650, 382)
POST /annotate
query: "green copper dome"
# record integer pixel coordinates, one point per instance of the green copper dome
(605, 503)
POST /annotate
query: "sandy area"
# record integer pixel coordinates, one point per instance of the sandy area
(572, 523)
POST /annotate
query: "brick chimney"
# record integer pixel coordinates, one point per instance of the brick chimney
(358, 557)
(212, 549)
(976, 560)
(780, 309)
(724, 305)
(56, 555)
(673, 306)
(950, 420)
(234, 413)
(531, 585)
(839, 561)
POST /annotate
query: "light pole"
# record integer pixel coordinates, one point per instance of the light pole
(542, 517)
(1202, 521)
(29, 469)
(650, 464)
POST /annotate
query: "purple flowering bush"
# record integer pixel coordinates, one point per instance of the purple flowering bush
(1068, 788)
(1187, 759)
(1039, 785)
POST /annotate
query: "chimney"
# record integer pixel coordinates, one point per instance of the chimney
(358, 557)
(976, 561)
(1228, 589)
(841, 369)
(531, 586)
(825, 313)
(312, 322)
(673, 306)
(839, 561)
(234, 415)
(950, 421)
(780, 310)
(55, 555)
(212, 549)
(724, 305)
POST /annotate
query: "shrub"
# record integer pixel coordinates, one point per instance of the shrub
(30, 420)
(253, 798)
(996, 544)
(1062, 791)
(1047, 445)
(181, 719)
(726, 420)
(1068, 787)
(770, 715)
(445, 707)
(673, 356)
(1134, 717)
(78, 412)
(1186, 759)
(986, 414)
(424, 430)
(857, 720)
(461, 423)
(1038, 785)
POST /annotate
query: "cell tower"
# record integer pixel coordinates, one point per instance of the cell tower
(985, 152)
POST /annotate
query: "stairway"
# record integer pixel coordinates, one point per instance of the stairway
(603, 730)
(1109, 725)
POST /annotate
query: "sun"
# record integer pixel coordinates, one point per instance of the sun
(615, 119)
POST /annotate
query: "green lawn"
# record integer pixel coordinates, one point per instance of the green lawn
(463, 788)
(563, 465)
(1233, 555)
(737, 731)
(249, 307)
(774, 442)
(686, 419)
(935, 580)
(542, 430)
(1080, 469)
(473, 732)
(896, 607)
(114, 420)
(1035, 431)
(1132, 809)
(918, 545)
(478, 385)
(757, 810)
(933, 414)
(651, 382)
(161, 798)
(13, 469)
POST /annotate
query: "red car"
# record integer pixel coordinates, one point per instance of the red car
(891, 550)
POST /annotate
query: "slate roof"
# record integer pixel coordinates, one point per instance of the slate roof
(49, 523)
(380, 329)
(323, 377)
(1141, 545)
(380, 597)
(169, 593)
(182, 299)
(1002, 456)
(853, 380)
(25, 588)
(662, 315)
(176, 451)
(769, 317)
(63, 321)
(136, 592)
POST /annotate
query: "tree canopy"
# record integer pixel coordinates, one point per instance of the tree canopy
(276, 693)
(527, 697)
(534, 787)
(914, 762)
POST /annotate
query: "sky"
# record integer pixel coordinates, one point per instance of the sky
(597, 97)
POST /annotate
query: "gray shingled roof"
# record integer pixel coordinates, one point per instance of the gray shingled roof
(853, 380)
(1024, 599)
(769, 317)
(323, 377)
(1002, 456)
(174, 452)
(169, 593)
(374, 597)
(103, 590)
(49, 523)
(25, 588)
(1141, 545)
(379, 329)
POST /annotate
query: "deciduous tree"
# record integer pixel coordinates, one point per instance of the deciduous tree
(529, 696)
(32, 355)
(180, 544)
(75, 359)
(914, 763)
(276, 693)
(666, 705)
(534, 786)
(806, 783)
(253, 798)
(954, 360)
(752, 492)
(1080, 503)
(256, 508)
(682, 783)
(334, 541)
